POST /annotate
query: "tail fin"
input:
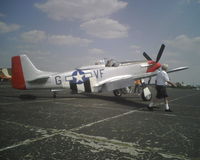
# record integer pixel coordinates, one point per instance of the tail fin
(18, 81)
(24, 71)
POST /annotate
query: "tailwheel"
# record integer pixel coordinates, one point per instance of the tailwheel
(117, 92)
(54, 95)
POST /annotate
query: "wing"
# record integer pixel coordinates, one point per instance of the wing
(127, 80)
(151, 74)
(121, 81)
(178, 69)
(115, 83)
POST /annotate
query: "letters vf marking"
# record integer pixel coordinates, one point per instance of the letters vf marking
(98, 73)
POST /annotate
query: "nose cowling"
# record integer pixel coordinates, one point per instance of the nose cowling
(153, 66)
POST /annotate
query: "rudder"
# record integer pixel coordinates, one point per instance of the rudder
(18, 80)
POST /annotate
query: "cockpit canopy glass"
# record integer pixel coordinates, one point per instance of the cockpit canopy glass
(111, 63)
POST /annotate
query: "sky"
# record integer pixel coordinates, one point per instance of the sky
(60, 35)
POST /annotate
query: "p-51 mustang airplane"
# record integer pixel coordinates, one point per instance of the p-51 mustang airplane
(110, 76)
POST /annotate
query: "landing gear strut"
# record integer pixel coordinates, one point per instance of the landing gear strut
(54, 95)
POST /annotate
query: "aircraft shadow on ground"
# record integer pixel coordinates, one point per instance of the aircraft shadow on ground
(118, 100)
(27, 97)
(125, 101)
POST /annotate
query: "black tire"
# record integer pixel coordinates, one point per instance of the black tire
(54, 95)
(146, 98)
(117, 92)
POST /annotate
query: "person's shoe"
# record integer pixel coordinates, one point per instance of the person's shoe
(150, 108)
(168, 110)
(151, 104)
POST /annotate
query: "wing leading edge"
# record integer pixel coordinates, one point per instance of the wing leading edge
(127, 80)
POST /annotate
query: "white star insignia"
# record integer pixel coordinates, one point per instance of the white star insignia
(78, 77)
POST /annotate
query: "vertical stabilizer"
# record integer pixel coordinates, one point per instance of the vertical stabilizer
(29, 70)
(18, 81)
(23, 71)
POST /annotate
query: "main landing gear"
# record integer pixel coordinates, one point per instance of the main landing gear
(146, 94)
(54, 93)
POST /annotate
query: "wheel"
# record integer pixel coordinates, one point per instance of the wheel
(147, 98)
(117, 92)
(54, 94)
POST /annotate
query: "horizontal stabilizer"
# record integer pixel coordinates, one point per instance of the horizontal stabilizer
(5, 72)
(39, 79)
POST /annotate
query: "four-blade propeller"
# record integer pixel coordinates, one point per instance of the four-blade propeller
(154, 65)
(158, 55)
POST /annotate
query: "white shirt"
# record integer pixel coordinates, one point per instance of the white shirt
(162, 78)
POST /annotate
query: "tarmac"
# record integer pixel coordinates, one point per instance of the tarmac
(35, 126)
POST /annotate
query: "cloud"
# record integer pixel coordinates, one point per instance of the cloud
(185, 44)
(2, 15)
(136, 48)
(80, 9)
(34, 36)
(189, 1)
(105, 28)
(6, 28)
(184, 49)
(37, 36)
(38, 53)
(96, 51)
(68, 40)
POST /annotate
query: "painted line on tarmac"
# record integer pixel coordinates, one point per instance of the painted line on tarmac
(126, 113)
(103, 120)
(99, 144)
(158, 113)
(28, 141)
(176, 99)
(31, 140)
(95, 105)
(187, 105)
(95, 143)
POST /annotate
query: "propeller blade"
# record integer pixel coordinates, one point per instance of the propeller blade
(160, 52)
(147, 57)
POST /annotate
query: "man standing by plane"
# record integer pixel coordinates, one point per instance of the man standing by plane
(162, 79)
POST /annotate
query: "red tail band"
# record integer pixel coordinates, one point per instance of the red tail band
(18, 81)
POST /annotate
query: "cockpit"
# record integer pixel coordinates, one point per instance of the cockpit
(108, 63)
(111, 63)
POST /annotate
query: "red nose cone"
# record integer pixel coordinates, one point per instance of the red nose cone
(153, 66)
